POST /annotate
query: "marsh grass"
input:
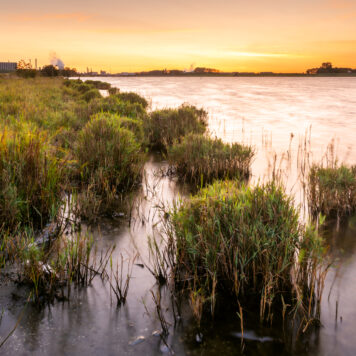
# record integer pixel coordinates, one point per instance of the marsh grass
(163, 127)
(246, 247)
(61, 137)
(52, 270)
(133, 125)
(110, 160)
(110, 150)
(132, 98)
(330, 187)
(199, 160)
(99, 84)
(118, 283)
(114, 105)
(30, 178)
(332, 190)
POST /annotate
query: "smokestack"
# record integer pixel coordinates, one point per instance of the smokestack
(36, 63)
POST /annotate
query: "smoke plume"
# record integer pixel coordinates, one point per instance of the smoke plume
(56, 61)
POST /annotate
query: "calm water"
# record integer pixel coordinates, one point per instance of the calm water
(264, 112)
(260, 111)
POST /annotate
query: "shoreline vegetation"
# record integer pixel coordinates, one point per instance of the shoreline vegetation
(26, 70)
(69, 156)
(325, 70)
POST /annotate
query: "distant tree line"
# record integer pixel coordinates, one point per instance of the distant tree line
(327, 68)
(25, 70)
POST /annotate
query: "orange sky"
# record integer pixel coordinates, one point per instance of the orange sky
(231, 35)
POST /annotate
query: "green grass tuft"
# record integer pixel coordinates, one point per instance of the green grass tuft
(332, 190)
(163, 127)
(30, 179)
(200, 160)
(241, 243)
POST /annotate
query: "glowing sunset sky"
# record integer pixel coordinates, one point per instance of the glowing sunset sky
(231, 35)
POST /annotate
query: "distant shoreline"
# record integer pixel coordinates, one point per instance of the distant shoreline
(190, 75)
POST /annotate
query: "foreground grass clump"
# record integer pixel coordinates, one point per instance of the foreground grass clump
(332, 190)
(132, 98)
(133, 125)
(242, 244)
(200, 159)
(30, 179)
(163, 127)
(99, 84)
(110, 159)
(50, 272)
(114, 105)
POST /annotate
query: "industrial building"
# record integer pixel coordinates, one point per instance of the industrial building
(7, 67)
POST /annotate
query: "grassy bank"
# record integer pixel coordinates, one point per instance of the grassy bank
(53, 143)
(60, 142)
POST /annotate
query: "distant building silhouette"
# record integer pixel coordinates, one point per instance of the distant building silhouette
(6, 67)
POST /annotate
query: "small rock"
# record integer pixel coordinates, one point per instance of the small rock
(164, 348)
(118, 215)
(137, 341)
(199, 338)
(157, 333)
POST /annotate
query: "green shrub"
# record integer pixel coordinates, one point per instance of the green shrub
(30, 180)
(332, 190)
(241, 243)
(133, 98)
(26, 73)
(114, 105)
(109, 153)
(99, 84)
(134, 125)
(163, 127)
(83, 87)
(113, 91)
(199, 159)
(83, 90)
(90, 95)
(49, 71)
(71, 82)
